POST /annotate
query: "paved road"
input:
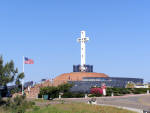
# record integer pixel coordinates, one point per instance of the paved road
(132, 101)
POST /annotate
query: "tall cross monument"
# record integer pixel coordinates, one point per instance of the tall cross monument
(83, 40)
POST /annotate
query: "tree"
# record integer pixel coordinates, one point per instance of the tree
(54, 91)
(64, 87)
(8, 73)
(51, 91)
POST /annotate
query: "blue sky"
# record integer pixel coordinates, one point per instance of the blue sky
(46, 31)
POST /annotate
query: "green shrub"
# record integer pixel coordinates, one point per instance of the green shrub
(109, 91)
(79, 95)
(67, 95)
(64, 87)
(123, 91)
(140, 90)
(1, 101)
(72, 95)
(95, 95)
(18, 104)
(53, 92)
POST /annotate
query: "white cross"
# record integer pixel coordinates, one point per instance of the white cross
(83, 39)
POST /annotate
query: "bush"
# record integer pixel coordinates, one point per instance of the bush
(94, 95)
(140, 90)
(117, 91)
(73, 95)
(53, 92)
(96, 92)
(79, 95)
(64, 87)
(18, 104)
(67, 95)
(1, 101)
(123, 91)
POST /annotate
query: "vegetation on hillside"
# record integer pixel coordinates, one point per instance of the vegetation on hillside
(18, 104)
(28, 107)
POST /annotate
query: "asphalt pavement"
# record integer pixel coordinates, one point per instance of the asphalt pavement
(141, 101)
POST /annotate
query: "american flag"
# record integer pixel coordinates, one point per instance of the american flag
(28, 61)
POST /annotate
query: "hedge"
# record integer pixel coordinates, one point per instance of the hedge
(123, 91)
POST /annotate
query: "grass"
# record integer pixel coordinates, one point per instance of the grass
(57, 106)
(41, 100)
(2, 110)
(77, 108)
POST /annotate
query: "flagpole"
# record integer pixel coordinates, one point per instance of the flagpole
(23, 64)
(23, 72)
